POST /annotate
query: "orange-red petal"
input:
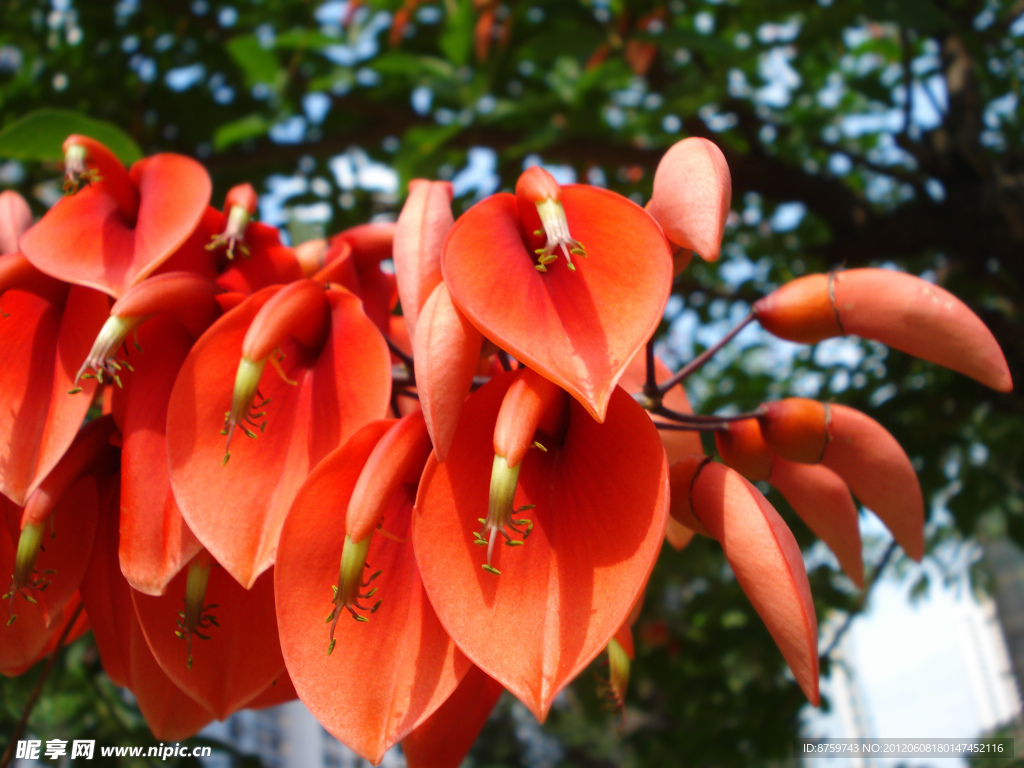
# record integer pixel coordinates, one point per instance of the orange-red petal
(578, 328)
(597, 528)
(879, 472)
(767, 562)
(236, 508)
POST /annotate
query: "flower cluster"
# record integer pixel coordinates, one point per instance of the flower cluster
(261, 472)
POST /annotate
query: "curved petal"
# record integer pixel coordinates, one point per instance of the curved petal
(692, 195)
(105, 593)
(155, 542)
(822, 500)
(578, 328)
(44, 340)
(383, 675)
(236, 508)
(767, 562)
(63, 556)
(444, 739)
(922, 319)
(241, 656)
(423, 223)
(601, 504)
(23, 642)
(86, 239)
(878, 471)
(15, 218)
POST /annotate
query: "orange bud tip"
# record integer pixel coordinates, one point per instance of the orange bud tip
(796, 429)
(802, 311)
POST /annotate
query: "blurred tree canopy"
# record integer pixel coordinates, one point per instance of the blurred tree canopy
(881, 132)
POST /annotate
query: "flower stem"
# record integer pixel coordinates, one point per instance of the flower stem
(401, 355)
(703, 357)
(651, 382)
(699, 418)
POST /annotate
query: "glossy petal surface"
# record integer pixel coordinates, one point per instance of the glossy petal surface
(385, 674)
(242, 655)
(423, 224)
(922, 319)
(44, 340)
(578, 328)
(692, 194)
(822, 500)
(86, 240)
(602, 503)
(236, 509)
(767, 562)
(155, 541)
(879, 472)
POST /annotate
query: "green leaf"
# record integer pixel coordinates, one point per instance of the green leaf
(40, 134)
(259, 65)
(305, 39)
(248, 127)
(457, 38)
(401, 64)
(420, 143)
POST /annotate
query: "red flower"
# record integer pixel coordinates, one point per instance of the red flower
(570, 280)
(381, 663)
(593, 503)
(123, 224)
(330, 374)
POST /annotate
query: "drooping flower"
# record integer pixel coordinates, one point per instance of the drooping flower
(53, 533)
(217, 641)
(170, 713)
(817, 494)
(46, 329)
(540, 549)
(718, 501)
(329, 375)
(122, 225)
(897, 309)
(515, 266)
(381, 662)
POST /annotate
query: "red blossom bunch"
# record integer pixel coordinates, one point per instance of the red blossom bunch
(260, 472)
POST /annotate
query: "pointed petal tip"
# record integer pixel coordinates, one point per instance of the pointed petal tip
(692, 196)
(879, 473)
(767, 562)
(922, 319)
